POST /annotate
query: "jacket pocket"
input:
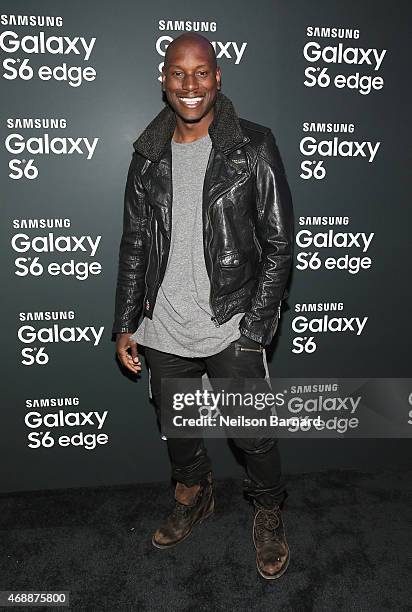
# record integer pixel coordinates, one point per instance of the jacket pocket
(232, 259)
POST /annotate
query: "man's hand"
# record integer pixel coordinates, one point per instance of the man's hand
(129, 360)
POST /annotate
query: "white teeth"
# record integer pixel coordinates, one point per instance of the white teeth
(191, 101)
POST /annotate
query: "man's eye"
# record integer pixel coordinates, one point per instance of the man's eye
(179, 73)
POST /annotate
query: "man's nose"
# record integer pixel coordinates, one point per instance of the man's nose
(189, 82)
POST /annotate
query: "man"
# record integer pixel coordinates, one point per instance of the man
(205, 255)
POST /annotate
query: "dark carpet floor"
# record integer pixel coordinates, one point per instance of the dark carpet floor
(349, 534)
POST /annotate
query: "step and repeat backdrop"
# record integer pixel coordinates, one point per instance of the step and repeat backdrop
(79, 82)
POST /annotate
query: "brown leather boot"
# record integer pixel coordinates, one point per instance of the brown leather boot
(198, 505)
(269, 538)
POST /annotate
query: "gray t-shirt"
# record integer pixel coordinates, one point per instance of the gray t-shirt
(181, 322)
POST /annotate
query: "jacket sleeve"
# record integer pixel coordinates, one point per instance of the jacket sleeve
(132, 254)
(274, 229)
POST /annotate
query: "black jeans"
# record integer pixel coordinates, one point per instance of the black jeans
(188, 456)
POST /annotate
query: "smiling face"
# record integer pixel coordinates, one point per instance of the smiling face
(190, 77)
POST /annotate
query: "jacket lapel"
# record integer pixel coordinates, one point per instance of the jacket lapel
(221, 175)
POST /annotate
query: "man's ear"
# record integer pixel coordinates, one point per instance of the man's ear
(218, 77)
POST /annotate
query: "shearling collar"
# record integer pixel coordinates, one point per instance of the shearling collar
(224, 131)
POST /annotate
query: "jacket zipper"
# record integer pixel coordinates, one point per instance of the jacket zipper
(146, 301)
(245, 348)
(214, 317)
(158, 273)
(275, 326)
(147, 304)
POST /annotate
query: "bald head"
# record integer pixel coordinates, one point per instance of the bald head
(186, 42)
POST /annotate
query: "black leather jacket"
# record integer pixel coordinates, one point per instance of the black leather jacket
(248, 224)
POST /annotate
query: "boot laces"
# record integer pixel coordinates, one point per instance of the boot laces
(267, 521)
(181, 510)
